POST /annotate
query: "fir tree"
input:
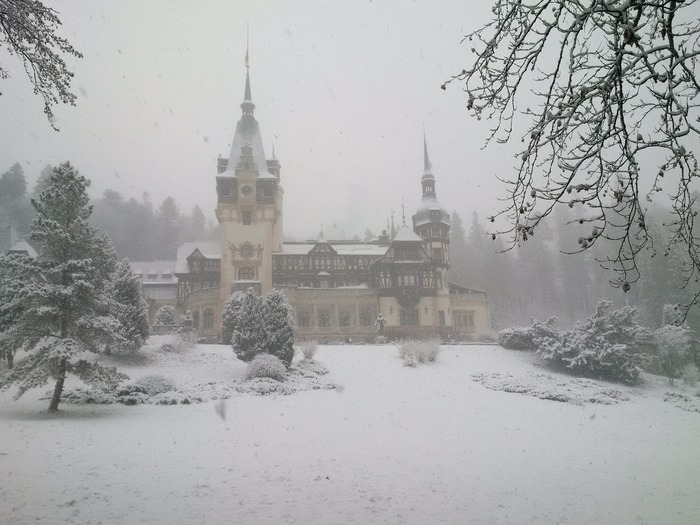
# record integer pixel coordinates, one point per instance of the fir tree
(278, 326)
(63, 307)
(247, 337)
(129, 308)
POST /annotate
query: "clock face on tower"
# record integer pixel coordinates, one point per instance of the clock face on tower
(247, 190)
(246, 250)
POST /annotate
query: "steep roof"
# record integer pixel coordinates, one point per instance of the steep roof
(247, 134)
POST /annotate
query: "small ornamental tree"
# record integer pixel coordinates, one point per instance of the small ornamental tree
(230, 315)
(674, 344)
(247, 338)
(258, 325)
(165, 316)
(278, 326)
(62, 306)
(129, 308)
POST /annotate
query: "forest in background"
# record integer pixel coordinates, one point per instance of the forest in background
(537, 280)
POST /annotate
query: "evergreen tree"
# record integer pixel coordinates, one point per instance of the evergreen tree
(129, 308)
(15, 209)
(165, 316)
(459, 253)
(14, 276)
(277, 326)
(167, 229)
(63, 305)
(247, 337)
(42, 181)
(230, 315)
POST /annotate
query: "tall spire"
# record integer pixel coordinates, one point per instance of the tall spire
(428, 168)
(247, 106)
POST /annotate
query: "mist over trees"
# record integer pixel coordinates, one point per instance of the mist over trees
(139, 230)
(544, 278)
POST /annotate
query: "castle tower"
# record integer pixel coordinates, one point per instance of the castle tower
(432, 223)
(249, 207)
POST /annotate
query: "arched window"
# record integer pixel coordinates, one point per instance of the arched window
(195, 319)
(246, 273)
(208, 318)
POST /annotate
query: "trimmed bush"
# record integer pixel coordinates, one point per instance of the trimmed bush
(266, 365)
(414, 352)
(308, 349)
(525, 337)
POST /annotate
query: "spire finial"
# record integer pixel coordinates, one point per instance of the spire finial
(403, 212)
(247, 47)
(247, 106)
(426, 161)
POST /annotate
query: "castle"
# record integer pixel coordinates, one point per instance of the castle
(339, 290)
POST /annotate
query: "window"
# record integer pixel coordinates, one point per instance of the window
(195, 319)
(408, 317)
(208, 318)
(344, 318)
(464, 320)
(304, 320)
(324, 318)
(437, 254)
(438, 280)
(410, 279)
(441, 315)
(246, 274)
(368, 316)
(247, 217)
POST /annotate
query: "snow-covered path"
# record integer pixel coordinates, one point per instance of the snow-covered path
(392, 445)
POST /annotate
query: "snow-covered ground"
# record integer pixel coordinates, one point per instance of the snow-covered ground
(439, 443)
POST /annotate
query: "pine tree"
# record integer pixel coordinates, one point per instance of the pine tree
(14, 276)
(63, 307)
(129, 308)
(247, 337)
(459, 253)
(277, 326)
(230, 315)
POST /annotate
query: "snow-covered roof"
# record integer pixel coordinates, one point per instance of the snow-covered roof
(406, 234)
(23, 246)
(341, 248)
(209, 249)
(155, 272)
(428, 204)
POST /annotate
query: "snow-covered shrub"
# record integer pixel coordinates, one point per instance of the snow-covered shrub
(165, 316)
(415, 352)
(308, 349)
(690, 374)
(310, 366)
(604, 346)
(179, 342)
(156, 384)
(278, 326)
(266, 365)
(525, 337)
(674, 344)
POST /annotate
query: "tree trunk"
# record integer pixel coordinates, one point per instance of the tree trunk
(58, 389)
(10, 358)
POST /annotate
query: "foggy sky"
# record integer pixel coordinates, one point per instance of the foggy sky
(342, 89)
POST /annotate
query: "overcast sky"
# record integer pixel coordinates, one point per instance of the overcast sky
(342, 89)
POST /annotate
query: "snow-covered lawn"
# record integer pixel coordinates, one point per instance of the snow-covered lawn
(439, 443)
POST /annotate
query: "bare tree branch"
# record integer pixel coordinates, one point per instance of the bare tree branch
(28, 30)
(616, 114)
